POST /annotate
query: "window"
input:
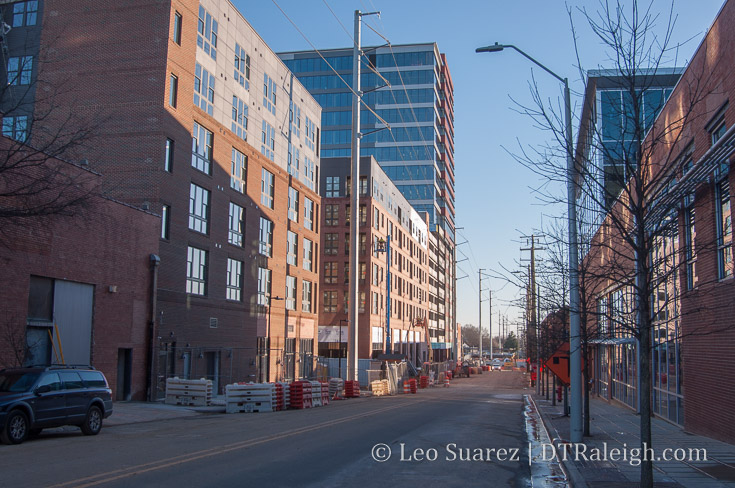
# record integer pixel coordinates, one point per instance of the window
(331, 212)
(347, 244)
(173, 89)
(201, 148)
(292, 248)
(363, 273)
(363, 243)
(330, 272)
(264, 286)
(238, 171)
(177, 28)
(330, 301)
(332, 190)
(168, 157)
(234, 235)
(204, 89)
(196, 271)
(268, 140)
(347, 273)
(374, 303)
(309, 133)
(269, 94)
(308, 254)
(361, 305)
(690, 237)
(239, 118)
(266, 188)
(308, 214)
(242, 67)
(293, 161)
(290, 293)
(331, 244)
(234, 279)
(207, 33)
(348, 214)
(376, 218)
(25, 13)
(16, 127)
(20, 69)
(266, 237)
(308, 175)
(724, 229)
(294, 118)
(363, 214)
(293, 204)
(363, 186)
(374, 275)
(717, 132)
(165, 221)
(198, 209)
(306, 297)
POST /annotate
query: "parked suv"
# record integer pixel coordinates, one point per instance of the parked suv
(32, 399)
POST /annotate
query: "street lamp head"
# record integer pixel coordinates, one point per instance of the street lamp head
(490, 49)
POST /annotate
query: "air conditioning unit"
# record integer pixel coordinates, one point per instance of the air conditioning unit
(213, 322)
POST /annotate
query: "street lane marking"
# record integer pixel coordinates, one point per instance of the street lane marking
(194, 456)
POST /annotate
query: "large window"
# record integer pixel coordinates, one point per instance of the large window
(168, 157)
(240, 118)
(363, 214)
(198, 209)
(201, 149)
(234, 279)
(173, 90)
(207, 33)
(290, 293)
(330, 301)
(332, 189)
(308, 255)
(238, 171)
(330, 272)
(331, 244)
(268, 141)
(266, 237)
(264, 286)
(165, 221)
(25, 13)
(690, 235)
(16, 127)
(306, 296)
(204, 89)
(308, 214)
(236, 225)
(269, 94)
(266, 188)
(292, 248)
(242, 67)
(19, 70)
(176, 34)
(724, 229)
(196, 271)
(293, 204)
(331, 212)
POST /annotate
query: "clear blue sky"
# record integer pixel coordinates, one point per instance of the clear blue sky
(494, 202)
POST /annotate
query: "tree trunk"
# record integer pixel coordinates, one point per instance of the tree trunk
(643, 290)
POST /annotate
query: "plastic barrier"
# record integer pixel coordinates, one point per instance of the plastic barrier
(301, 395)
(352, 389)
(196, 393)
(424, 381)
(413, 385)
(250, 397)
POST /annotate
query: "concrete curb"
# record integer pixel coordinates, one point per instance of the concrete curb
(574, 476)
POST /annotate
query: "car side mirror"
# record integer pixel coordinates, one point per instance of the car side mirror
(42, 389)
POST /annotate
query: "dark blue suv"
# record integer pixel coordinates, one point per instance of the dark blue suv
(32, 399)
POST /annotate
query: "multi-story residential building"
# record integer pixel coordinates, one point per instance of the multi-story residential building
(199, 121)
(384, 215)
(605, 140)
(688, 217)
(410, 87)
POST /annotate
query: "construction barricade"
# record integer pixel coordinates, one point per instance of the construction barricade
(336, 388)
(301, 394)
(197, 393)
(413, 385)
(250, 397)
(352, 389)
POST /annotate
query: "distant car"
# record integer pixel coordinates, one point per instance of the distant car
(496, 365)
(32, 399)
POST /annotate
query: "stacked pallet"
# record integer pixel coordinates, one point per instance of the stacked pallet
(197, 393)
(380, 387)
(301, 395)
(352, 389)
(250, 397)
(316, 394)
(336, 387)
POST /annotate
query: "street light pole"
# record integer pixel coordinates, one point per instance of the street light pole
(340, 344)
(575, 352)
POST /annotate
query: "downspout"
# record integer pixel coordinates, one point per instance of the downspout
(152, 362)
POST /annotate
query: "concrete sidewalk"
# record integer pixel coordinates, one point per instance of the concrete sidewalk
(614, 426)
(124, 413)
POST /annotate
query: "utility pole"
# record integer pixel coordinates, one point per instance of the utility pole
(490, 320)
(479, 306)
(353, 326)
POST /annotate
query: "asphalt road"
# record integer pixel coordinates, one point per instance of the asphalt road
(470, 434)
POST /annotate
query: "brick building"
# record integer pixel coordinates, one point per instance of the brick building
(383, 212)
(689, 217)
(61, 289)
(199, 121)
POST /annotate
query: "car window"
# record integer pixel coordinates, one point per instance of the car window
(52, 380)
(71, 380)
(17, 382)
(93, 379)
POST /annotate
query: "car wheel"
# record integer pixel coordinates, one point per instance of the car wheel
(93, 423)
(16, 428)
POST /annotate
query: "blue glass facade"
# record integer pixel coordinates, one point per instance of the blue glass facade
(411, 152)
